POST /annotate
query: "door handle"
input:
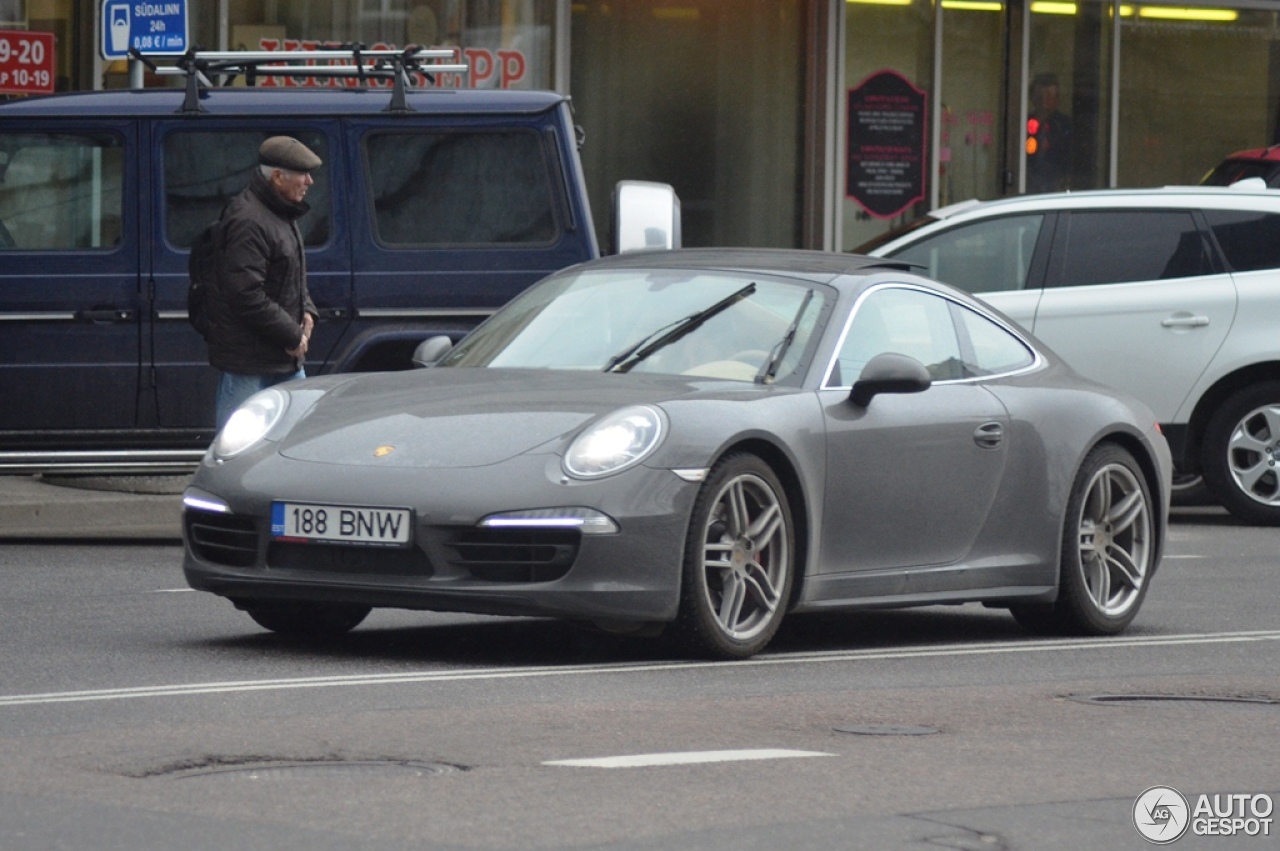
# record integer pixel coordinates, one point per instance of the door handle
(332, 312)
(104, 314)
(1185, 320)
(989, 435)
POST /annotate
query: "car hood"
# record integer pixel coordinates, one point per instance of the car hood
(461, 417)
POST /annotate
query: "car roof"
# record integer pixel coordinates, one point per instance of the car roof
(814, 265)
(235, 101)
(1249, 197)
(1268, 154)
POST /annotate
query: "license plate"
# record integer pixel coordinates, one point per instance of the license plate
(343, 524)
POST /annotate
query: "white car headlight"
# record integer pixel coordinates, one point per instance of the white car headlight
(615, 442)
(250, 422)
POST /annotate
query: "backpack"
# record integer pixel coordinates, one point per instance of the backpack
(203, 269)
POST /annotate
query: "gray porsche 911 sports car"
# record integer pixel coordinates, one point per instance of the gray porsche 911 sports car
(693, 443)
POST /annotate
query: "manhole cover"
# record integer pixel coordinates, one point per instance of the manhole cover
(886, 730)
(1201, 701)
(337, 768)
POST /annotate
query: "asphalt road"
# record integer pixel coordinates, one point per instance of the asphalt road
(135, 714)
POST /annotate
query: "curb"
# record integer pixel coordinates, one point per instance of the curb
(101, 508)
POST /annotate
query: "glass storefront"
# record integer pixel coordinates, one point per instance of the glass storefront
(919, 103)
(705, 95)
(1194, 87)
(1047, 95)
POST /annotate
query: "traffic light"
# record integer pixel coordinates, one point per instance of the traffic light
(1033, 128)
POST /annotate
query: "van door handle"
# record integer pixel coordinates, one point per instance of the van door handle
(989, 435)
(104, 314)
(1185, 320)
(332, 312)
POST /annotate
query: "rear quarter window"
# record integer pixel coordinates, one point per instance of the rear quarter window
(452, 189)
(1250, 240)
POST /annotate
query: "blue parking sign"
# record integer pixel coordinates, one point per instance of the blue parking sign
(150, 26)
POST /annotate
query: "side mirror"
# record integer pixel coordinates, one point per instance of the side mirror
(430, 350)
(646, 215)
(889, 372)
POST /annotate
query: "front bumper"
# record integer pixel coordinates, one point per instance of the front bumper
(453, 563)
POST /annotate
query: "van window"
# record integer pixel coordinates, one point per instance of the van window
(60, 191)
(460, 188)
(204, 169)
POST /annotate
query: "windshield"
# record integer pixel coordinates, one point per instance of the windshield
(726, 325)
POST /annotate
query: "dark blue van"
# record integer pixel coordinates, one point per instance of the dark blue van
(433, 208)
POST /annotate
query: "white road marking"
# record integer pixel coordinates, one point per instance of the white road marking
(821, 657)
(683, 758)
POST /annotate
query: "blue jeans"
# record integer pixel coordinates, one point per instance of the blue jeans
(234, 388)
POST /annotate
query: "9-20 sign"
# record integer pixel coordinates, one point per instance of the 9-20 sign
(26, 62)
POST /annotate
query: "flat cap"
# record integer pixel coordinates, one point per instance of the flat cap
(287, 152)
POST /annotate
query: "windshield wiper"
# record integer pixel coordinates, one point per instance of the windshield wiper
(624, 360)
(769, 370)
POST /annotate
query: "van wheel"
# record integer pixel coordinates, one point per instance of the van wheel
(739, 562)
(1241, 454)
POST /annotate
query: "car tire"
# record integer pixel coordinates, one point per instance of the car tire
(1189, 490)
(1241, 454)
(739, 562)
(307, 620)
(1109, 550)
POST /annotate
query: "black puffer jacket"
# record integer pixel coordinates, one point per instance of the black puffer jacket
(256, 315)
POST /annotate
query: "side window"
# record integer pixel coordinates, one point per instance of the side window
(991, 349)
(1133, 245)
(983, 257)
(460, 188)
(1250, 240)
(204, 169)
(60, 191)
(908, 322)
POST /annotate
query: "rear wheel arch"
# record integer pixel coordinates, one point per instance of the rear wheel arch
(1212, 400)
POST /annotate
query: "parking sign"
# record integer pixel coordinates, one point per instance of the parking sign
(150, 27)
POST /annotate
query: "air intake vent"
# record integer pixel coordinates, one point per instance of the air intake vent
(516, 555)
(223, 538)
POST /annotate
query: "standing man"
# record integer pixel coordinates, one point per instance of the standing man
(1049, 166)
(262, 314)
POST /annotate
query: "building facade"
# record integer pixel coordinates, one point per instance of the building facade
(814, 123)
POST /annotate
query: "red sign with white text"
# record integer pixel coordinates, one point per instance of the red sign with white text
(26, 62)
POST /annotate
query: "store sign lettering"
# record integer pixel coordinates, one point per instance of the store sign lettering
(489, 68)
(885, 156)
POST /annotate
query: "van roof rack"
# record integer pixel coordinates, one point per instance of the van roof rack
(205, 69)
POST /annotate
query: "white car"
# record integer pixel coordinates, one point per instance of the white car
(1171, 294)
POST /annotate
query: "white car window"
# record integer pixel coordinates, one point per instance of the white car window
(992, 255)
(1115, 247)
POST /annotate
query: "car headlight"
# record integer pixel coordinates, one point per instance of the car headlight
(615, 442)
(250, 422)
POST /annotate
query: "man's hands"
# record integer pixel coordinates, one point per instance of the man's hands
(300, 351)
